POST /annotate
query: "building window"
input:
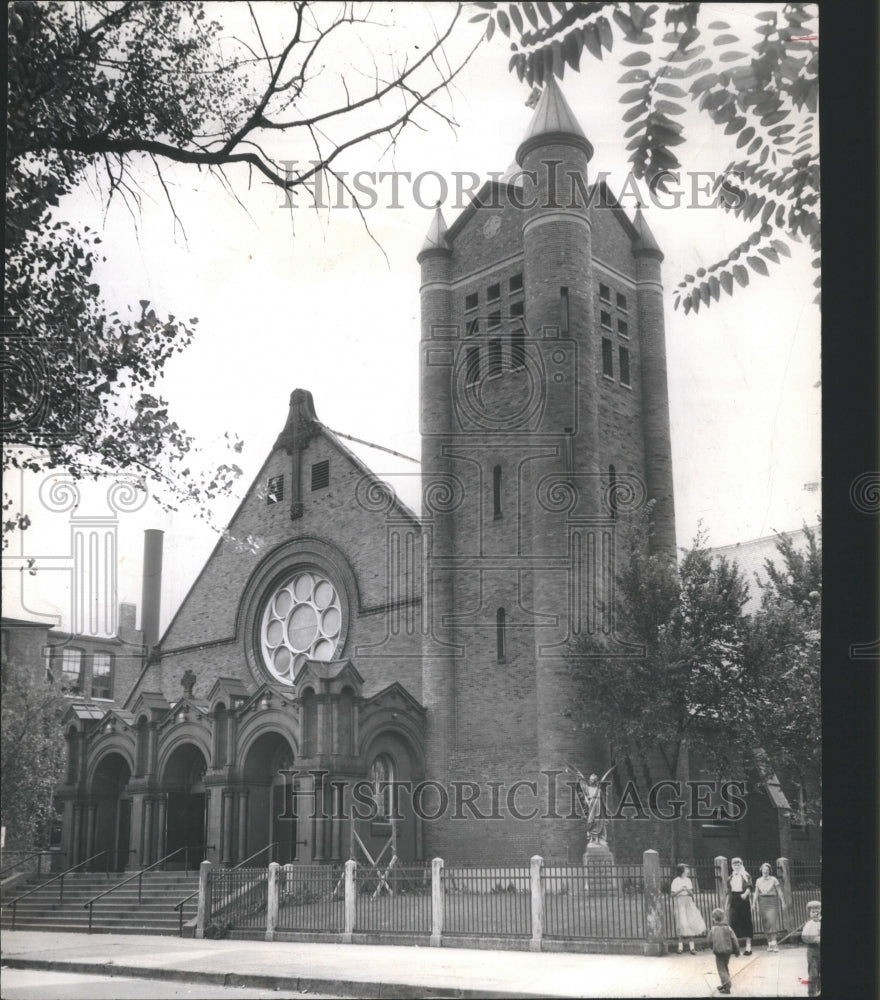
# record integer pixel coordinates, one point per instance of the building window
(623, 355)
(494, 357)
(321, 474)
(516, 283)
(621, 302)
(496, 492)
(517, 350)
(221, 721)
(607, 358)
(604, 293)
(302, 621)
(517, 310)
(142, 744)
(72, 671)
(382, 777)
(622, 328)
(102, 675)
(564, 317)
(605, 319)
(494, 321)
(275, 489)
(493, 293)
(471, 327)
(500, 627)
(471, 301)
(472, 366)
(612, 491)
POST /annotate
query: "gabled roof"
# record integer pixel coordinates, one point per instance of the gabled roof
(82, 711)
(327, 670)
(394, 692)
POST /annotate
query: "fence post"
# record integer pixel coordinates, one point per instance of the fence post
(272, 903)
(350, 900)
(203, 914)
(783, 873)
(655, 943)
(436, 901)
(721, 873)
(537, 892)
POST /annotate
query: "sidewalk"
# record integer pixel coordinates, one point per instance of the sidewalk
(386, 971)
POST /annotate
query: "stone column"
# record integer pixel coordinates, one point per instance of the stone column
(436, 902)
(654, 937)
(147, 853)
(203, 913)
(161, 814)
(537, 894)
(91, 810)
(318, 821)
(783, 873)
(242, 823)
(350, 901)
(273, 901)
(226, 843)
(75, 847)
(337, 791)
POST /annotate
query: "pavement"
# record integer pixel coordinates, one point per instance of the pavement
(380, 971)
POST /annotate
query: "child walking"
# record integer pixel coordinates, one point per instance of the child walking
(723, 943)
(811, 934)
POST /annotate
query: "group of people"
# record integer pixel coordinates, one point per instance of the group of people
(735, 922)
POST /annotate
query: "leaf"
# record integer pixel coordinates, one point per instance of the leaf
(744, 136)
(637, 94)
(632, 113)
(545, 12)
(531, 14)
(490, 30)
(669, 89)
(741, 275)
(635, 76)
(516, 17)
(782, 247)
(669, 108)
(726, 282)
(572, 48)
(606, 35)
(731, 56)
(503, 22)
(770, 254)
(591, 40)
(756, 264)
(724, 39)
(635, 59)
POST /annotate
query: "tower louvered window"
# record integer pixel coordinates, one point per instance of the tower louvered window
(321, 475)
(275, 489)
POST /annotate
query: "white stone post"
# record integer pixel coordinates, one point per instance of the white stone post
(203, 913)
(350, 900)
(721, 872)
(273, 901)
(654, 939)
(436, 902)
(783, 873)
(537, 892)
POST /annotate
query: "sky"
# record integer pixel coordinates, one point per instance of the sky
(291, 297)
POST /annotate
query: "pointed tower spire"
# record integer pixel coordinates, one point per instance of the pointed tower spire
(646, 241)
(553, 119)
(436, 238)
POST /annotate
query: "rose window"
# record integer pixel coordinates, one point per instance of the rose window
(302, 621)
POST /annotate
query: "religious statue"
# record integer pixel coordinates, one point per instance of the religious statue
(187, 682)
(591, 793)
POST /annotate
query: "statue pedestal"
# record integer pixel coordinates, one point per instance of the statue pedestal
(598, 860)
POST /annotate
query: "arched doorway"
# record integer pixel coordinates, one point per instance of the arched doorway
(271, 807)
(184, 783)
(112, 813)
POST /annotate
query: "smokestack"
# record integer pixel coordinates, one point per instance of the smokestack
(151, 594)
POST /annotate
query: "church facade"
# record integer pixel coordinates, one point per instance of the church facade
(377, 670)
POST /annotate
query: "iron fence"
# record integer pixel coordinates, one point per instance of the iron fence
(596, 901)
(311, 898)
(397, 901)
(806, 884)
(495, 902)
(239, 898)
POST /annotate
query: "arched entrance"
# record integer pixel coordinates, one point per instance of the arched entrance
(184, 783)
(111, 831)
(271, 809)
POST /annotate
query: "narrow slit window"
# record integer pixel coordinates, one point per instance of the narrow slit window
(494, 358)
(564, 317)
(500, 637)
(321, 475)
(496, 492)
(607, 358)
(517, 350)
(624, 366)
(102, 675)
(275, 489)
(472, 366)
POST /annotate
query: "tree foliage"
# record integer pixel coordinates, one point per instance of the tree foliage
(763, 91)
(103, 92)
(739, 691)
(32, 750)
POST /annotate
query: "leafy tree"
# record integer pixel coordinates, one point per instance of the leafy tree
(765, 93)
(99, 92)
(32, 750)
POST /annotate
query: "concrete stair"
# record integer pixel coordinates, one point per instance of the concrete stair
(118, 913)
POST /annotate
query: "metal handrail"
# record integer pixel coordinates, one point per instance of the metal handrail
(140, 875)
(179, 906)
(60, 876)
(27, 857)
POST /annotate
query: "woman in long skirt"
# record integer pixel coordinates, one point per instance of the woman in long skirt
(689, 922)
(768, 893)
(739, 903)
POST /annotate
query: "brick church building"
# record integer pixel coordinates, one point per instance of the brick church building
(368, 640)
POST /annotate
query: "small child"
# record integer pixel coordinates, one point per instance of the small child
(723, 943)
(810, 935)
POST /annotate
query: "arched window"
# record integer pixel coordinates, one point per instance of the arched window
(496, 492)
(500, 637)
(382, 776)
(221, 724)
(309, 723)
(140, 763)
